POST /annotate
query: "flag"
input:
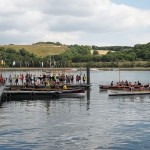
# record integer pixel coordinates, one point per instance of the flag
(2, 62)
(14, 63)
(42, 64)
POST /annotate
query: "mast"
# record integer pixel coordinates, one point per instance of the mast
(49, 62)
(119, 72)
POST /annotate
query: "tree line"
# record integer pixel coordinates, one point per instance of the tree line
(112, 48)
(77, 55)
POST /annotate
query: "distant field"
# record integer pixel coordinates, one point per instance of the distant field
(101, 52)
(40, 49)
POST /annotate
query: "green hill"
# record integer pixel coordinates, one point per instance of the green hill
(40, 49)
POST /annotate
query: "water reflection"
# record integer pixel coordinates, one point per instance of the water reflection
(88, 98)
(1, 104)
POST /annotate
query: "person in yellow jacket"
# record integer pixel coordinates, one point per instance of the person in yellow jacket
(84, 78)
(65, 87)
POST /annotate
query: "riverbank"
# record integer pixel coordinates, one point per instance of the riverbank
(74, 69)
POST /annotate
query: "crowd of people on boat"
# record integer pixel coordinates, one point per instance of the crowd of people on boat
(130, 85)
(53, 79)
(126, 83)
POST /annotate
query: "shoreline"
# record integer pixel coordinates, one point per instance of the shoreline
(74, 69)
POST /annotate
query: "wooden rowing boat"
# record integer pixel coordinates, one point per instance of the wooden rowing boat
(122, 87)
(33, 93)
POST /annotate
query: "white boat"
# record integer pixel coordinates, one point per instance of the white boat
(94, 69)
(74, 69)
(124, 93)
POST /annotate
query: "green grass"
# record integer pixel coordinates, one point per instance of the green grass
(40, 50)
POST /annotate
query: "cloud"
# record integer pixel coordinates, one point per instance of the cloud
(70, 22)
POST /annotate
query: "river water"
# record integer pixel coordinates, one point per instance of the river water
(94, 122)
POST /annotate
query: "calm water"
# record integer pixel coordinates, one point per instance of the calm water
(96, 122)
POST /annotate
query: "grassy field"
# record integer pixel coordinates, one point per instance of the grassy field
(40, 49)
(101, 52)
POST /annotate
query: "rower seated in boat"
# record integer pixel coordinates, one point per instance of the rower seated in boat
(142, 87)
(111, 83)
(131, 88)
(139, 83)
(135, 84)
(126, 83)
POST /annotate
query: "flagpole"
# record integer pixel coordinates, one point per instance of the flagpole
(119, 73)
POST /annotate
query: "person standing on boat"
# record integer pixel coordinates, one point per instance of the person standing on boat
(22, 78)
(40, 79)
(44, 77)
(34, 79)
(77, 78)
(84, 78)
(10, 80)
(1, 80)
(67, 79)
(72, 78)
(16, 80)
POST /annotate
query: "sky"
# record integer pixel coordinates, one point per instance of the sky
(83, 22)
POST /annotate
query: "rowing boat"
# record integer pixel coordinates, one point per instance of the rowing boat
(33, 93)
(122, 87)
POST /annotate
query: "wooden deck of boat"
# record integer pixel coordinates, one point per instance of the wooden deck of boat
(42, 87)
(85, 85)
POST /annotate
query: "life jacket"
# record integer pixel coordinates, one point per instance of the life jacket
(84, 78)
(65, 87)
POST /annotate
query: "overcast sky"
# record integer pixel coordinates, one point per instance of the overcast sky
(84, 22)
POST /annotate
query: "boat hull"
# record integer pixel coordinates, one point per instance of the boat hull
(108, 87)
(42, 94)
(125, 93)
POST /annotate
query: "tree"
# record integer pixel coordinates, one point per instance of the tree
(95, 52)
